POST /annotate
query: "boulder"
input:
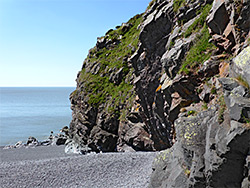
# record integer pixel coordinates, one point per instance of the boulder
(32, 141)
(101, 140)
(236, 98)
(116, 77)
(205, 154)
(101, 42)
(244, 18)
(205, 94)
(19, 144)
(108, 122)
(61, 140)
(222, 43)
(157, 25)
(218, 19)
(228, 83)
(134, 117)
(209, 68)
(125, 27)
(240, 66)
(72, 147)
(172, 59)
(135, 136)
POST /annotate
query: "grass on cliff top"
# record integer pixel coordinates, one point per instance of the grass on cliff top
(100, 90)
(199, 22)
(112, 57)
(199, 52)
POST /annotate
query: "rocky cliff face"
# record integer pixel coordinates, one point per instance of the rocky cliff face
(175, 77)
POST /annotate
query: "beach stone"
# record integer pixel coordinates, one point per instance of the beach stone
(72, 147)
(32, 141)
(61, 140)
(19, 144)
(45, 142)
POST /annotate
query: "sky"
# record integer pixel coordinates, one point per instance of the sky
(44, 42)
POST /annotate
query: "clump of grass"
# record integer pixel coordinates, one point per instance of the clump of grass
(198, 53)
(222, 109)
(187, 172)
(199, 22)
(198, 90)
(246, 120)
(204, 106)
(178, 4)
(213, 90)
(242, 82)
(239, 6)
(172, 43)
(191, 112)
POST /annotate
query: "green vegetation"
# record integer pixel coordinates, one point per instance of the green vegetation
(101, 87)
(246, 120)
(201, 51)
(242, 82)
(198, 90)
(191, 112)
(213, 90)
(222, 109)
(172, 43)
(239, 6)
(187, 172)
(112, 57)
(204, 106)
(100, 90)
(178, 4)
(199, 22)
(198, 53)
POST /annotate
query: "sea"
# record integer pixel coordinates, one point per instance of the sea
(33, 111)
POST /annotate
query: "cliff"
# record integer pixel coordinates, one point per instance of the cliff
(177, 77)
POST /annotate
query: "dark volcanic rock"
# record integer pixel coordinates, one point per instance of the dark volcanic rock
(204, 155)
(101, 140)
(219, 18)
(208, 152)
(61, 140)
(165, 92)
(32, 141)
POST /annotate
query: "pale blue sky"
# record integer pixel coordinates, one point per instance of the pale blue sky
(44, 42)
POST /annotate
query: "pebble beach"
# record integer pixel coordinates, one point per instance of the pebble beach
(49, 166)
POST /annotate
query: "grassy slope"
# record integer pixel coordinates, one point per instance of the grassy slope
(99, 88)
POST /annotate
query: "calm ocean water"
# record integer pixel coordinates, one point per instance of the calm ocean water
(32, 111)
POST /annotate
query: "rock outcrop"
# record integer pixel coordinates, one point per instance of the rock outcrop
(177, 78)
(213, 145)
